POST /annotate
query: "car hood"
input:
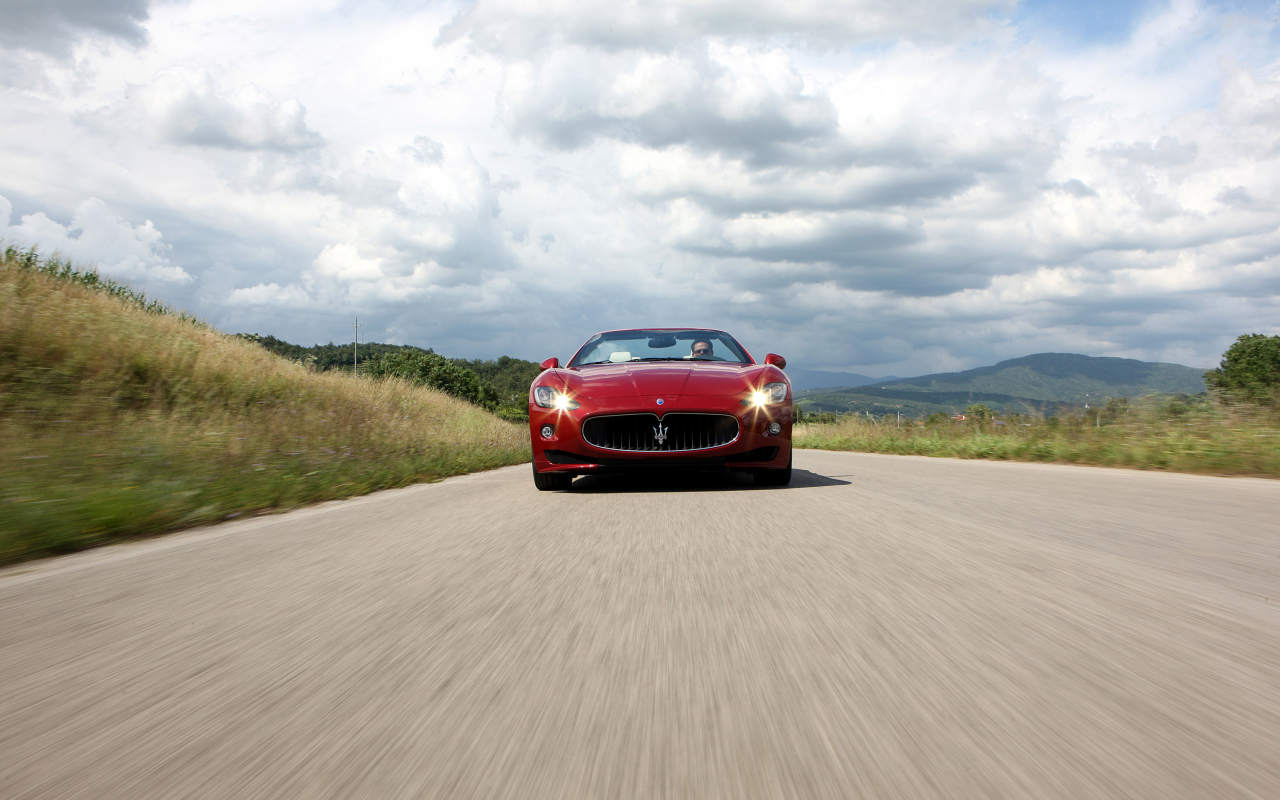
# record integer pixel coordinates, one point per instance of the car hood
(661, 378)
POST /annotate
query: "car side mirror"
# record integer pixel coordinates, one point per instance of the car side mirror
(550, 363)
(776, 360)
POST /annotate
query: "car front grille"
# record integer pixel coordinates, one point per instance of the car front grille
(674, 433)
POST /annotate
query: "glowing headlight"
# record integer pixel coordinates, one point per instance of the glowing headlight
(771, 393)
(546, 397)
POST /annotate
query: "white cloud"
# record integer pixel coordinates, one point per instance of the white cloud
(716, 98)
(193, 110)
(878, 186)
(53, 26)
(99, 238)
(513, 27)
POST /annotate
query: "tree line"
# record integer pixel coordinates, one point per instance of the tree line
(499, 385)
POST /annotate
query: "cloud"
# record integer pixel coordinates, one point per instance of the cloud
(515, 28)
(425, 150)
(189, 110)
(1166, 152)
(870, 186)
(1076, 188)
(429, 235)
(97, 237)
(841, 238)
(717, 99)
(53, 26)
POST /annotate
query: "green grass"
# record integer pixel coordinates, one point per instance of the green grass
(119, 419)
(1202, 437)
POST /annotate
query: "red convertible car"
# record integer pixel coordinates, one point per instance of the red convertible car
(660, 399)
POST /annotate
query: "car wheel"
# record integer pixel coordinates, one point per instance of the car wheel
(551, 481)
(775, 477)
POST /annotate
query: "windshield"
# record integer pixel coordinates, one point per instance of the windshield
(616, 347)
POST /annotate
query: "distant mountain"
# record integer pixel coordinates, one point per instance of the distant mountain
(1046, 383)
(1063, 377)
(803, 379)
(876, 401)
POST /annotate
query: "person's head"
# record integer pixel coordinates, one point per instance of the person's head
(702, 348)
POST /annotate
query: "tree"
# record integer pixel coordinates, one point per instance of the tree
(978, 412)
(436, 371)
(1249, 370)
(938, 418)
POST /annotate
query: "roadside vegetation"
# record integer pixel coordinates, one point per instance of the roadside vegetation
(499, 385)
(120, 418)
(1220, 434)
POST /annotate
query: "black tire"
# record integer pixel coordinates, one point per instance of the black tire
(552, 481)
(775, 477)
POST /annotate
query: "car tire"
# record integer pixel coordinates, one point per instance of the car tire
(775, 477)
(551, 481)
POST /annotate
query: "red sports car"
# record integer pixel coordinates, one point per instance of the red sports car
(660, 399)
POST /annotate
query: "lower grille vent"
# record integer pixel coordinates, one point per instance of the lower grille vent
(759, 454)
(675, 432)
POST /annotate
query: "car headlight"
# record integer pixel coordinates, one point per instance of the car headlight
(769, 394)
(546, 397)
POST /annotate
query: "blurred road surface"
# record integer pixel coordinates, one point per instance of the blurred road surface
(885, 627)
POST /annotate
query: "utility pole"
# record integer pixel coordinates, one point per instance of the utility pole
(355, 349)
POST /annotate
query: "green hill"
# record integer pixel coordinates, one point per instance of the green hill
(1046, 383)
(1064, 377)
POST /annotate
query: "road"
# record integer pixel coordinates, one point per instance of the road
(885, 627)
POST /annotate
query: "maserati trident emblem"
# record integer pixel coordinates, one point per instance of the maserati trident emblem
(660, 433)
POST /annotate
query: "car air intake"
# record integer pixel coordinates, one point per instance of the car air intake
(675, 432)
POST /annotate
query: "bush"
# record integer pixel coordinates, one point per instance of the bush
(513, 413)
(436, 371)
(1249, 370)
(978, 412)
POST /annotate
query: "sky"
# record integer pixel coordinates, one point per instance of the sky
(876, 186)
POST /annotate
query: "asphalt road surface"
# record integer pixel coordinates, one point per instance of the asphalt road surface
(885, 627)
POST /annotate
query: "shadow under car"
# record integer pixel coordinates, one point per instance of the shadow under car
(692, 481)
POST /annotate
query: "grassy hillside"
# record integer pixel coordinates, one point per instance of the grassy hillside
(914, 402)
(119, 419)
(1182, 435)
(1063, 377)
(509, 377)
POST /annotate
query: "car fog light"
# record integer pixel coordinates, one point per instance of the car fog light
(548, 431)
(774, 428)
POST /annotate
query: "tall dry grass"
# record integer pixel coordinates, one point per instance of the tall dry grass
(118, 420)
(1163, 434)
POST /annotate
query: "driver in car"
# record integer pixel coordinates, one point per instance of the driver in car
(702, 349)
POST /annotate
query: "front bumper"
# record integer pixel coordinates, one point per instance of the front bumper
(567, 451)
